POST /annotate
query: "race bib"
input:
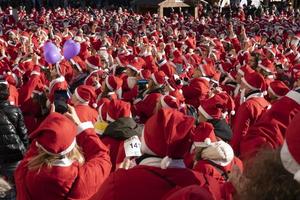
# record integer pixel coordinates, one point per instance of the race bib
(132, 147)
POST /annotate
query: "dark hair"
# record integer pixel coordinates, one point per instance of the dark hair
(4, 92)
(265, 178)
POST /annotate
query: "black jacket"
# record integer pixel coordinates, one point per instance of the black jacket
(13, 133)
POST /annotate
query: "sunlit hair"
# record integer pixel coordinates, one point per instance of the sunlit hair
(265, 178)
(44, 159)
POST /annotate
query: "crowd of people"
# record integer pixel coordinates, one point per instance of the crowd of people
(151, 108)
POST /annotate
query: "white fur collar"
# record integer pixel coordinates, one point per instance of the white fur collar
(294, 96)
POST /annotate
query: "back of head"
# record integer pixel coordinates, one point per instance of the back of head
(265, 178)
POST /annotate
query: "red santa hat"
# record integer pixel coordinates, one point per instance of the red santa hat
(158, 78)
(278, 88)
(214, 107)
(113, 83)
(118, 109)
(78, 63)
(136, 64)
(145, 74)
(246, 69)
(168, 101)
(93, 62)
(11, 78)
(204, 135)
(207, 69)
(254, 81)
(290, 151)
(85, 93)
(56, 135)
(266, 65)
(296, 72)
(173, 141)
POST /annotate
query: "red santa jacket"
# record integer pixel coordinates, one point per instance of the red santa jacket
(247, 114)
(129, 89)
(269, 131)
(149, 182)
(13, 95)
(86, 113)
(220, 173)
(145, 108)
(66, 180)
(116, 151)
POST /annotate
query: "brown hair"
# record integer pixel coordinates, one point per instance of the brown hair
(44, 159)
(265, 178)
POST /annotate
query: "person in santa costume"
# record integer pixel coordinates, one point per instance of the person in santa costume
(55, 166)
(145, 105)
(253, 87)
(121, 127)
(111, 89)
(82, 98)
(214, 111)
(276, 90)
(270, 130)
(160, 169)
(197, 90)
(267, 173)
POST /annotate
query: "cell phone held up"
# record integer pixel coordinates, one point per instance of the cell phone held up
(61, 98)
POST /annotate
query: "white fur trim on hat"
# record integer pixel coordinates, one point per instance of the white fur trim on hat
(90, 65)
(272, 91)
(202, 69)
(154, 79)
(144, 148)
(294, 96)
(162, 63)
(109, 118)
(248, 85)
(133, 68)
(289, 163)
(64, 152)
(241, 72)
(35, 73)
(264, 68)
(108, 85)
(79, 97)
(204, 113)
(206, 143)
(83, 126)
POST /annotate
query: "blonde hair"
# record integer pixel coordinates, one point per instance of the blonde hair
(45, 159)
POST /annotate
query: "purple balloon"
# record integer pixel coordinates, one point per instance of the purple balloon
(52, 57)
(71, 49)
(49, 46)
